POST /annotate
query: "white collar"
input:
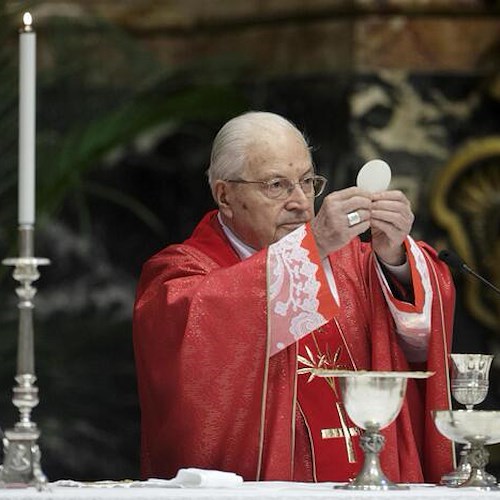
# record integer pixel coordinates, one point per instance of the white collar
(242, 249)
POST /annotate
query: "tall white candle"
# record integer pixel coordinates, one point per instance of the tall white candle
(27, 84)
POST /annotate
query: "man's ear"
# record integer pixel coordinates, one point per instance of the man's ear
(223, 198)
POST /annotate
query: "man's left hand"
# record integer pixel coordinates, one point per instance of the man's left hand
(391, 219)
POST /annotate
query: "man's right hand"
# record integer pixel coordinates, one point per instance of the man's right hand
(331, 226)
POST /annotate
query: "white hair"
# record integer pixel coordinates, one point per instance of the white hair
(235, 141)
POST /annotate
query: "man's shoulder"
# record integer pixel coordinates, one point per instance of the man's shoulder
(172, 264)
(203, 245)
(178, 255)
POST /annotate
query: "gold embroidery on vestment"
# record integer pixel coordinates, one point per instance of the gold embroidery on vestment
(327, 360)
(337, 432)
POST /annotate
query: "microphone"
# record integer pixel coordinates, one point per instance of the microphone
(455, 262)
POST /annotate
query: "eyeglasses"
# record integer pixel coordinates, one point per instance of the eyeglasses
(280, 189)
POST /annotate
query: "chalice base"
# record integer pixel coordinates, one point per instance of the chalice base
(369, 484)
(459, 475)
(371, 476)
(478, 457)
(480, 479)
(456, 477)
(462, 473)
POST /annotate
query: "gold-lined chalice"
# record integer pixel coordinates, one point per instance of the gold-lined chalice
(372, 400)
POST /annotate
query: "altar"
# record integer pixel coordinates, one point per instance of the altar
(269, 490)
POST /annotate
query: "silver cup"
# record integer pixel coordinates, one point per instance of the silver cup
(470, 378)
(477, 429)
(372, 403)
(372, 400)
(469, 386)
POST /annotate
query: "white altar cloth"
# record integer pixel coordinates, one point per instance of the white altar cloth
(262, 491)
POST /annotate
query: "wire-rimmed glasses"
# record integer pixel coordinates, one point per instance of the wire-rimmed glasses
(281, 187)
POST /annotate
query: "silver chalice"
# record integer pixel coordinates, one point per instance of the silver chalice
(470, 378)
(372, 400)
(469, 386)
(477, 429)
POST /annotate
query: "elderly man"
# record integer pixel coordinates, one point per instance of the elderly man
(224, 322)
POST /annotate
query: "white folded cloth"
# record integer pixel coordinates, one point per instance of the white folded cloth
(202, 478)
(185, 478)
(195, 478)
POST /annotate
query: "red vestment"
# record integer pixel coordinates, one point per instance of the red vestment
(211, 397)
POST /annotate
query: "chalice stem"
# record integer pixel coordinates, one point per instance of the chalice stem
(371, 471)
(371, 475)
(478, 458)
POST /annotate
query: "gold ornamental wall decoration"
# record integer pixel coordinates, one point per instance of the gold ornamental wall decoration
(466, 202)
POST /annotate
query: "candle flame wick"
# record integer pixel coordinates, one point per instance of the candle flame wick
(27, 19)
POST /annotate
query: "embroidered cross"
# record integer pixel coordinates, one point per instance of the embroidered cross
(326, 360)
(343, 431)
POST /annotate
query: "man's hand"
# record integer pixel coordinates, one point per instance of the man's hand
(331, 225)
(387, 213)
(391, 222)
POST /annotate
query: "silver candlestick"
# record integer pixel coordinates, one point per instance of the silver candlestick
(21, 465)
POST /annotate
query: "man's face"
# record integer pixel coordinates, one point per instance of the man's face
(254, 217)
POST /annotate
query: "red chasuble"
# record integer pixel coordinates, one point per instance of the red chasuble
(218, 384)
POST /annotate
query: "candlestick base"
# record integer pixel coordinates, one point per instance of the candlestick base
(21, 467)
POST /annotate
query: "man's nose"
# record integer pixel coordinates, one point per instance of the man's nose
(297, 198)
